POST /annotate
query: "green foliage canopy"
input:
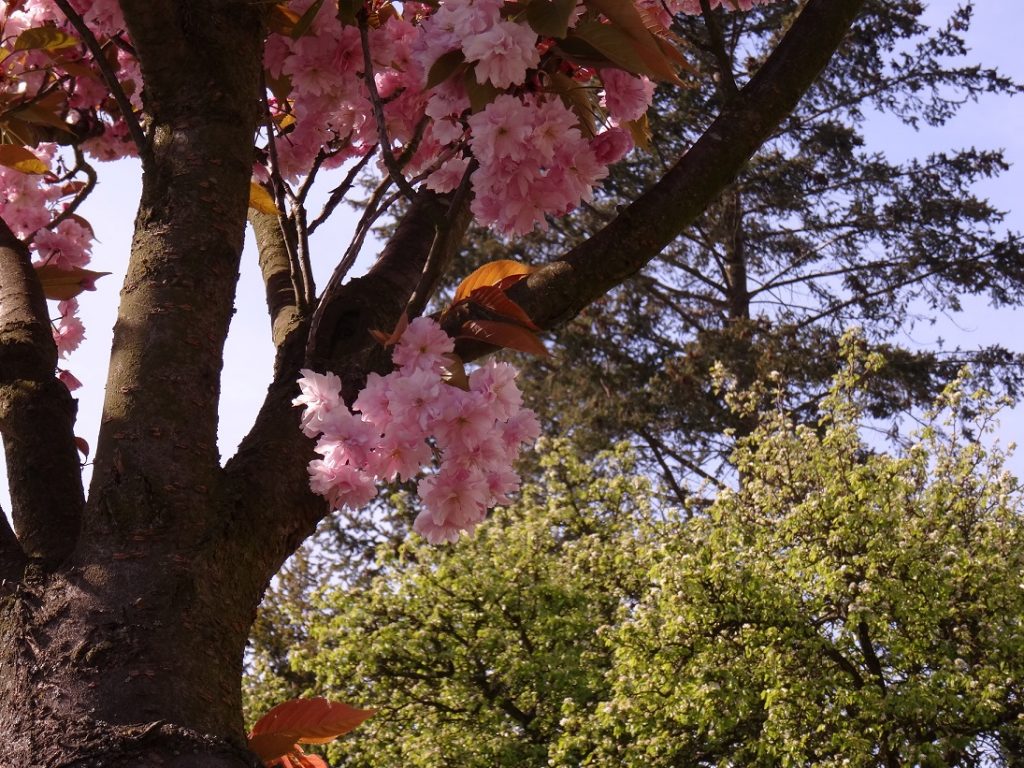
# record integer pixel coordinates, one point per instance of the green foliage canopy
(843, 606)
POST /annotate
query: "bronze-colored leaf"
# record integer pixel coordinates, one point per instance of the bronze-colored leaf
(454, 372)
(302, 721)
(494, 299)
(281, 19)
(506, 335)
(21, 159)
(387, 339)
(306, 20)
(64, 284)
(491, 273)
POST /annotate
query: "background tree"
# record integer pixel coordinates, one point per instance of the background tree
(124, 612)
(845, 607)
(819, 231)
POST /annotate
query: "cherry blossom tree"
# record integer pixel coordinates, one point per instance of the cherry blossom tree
(125, 607)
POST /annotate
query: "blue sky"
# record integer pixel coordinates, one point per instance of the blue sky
(993, 122)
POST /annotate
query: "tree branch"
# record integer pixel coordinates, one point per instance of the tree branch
(157, 462)
(275, 265)
(37, 416)
(558, 291)
(12, 558)
(271, 461)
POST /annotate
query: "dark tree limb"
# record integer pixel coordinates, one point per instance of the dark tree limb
(37, 416)
(557, 292)
(12, 557)
(157, 462)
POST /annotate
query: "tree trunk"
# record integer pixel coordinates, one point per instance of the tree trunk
(124, 660)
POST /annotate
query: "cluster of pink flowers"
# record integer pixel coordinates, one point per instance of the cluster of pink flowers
(533, 159)
(411, 417)
(29, 203)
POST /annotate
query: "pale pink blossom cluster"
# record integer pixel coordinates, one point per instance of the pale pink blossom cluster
(405, 420)
(533, 160)
(29, 203)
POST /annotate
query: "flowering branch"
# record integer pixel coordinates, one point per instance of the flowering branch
(558, 291)
(109, 77)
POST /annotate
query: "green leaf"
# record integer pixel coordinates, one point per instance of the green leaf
(444, 67)
(637, 57)
(480, 94)
(550, 18)
(47, 38)
(306, 20)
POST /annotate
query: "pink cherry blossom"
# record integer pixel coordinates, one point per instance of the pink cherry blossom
(423, 345)
(321, 393)
(626, 96)
(503, 53)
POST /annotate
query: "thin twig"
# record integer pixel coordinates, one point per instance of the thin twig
(339, 192)
(81, 164)
(390, 162)
(109, 77)
(435, 263)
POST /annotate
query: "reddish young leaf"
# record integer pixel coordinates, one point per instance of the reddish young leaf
(302, 721)
(387, 339)
(492, 273)
(492, 297)
(503, 335)
(82, 446)
(63, 284)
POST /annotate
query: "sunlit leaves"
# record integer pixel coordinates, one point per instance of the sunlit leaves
(260, 199)
(21, 159)
(491, 273)
(502, 323)
(45, 38)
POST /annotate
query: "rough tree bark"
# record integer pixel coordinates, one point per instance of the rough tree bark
(123, 619)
